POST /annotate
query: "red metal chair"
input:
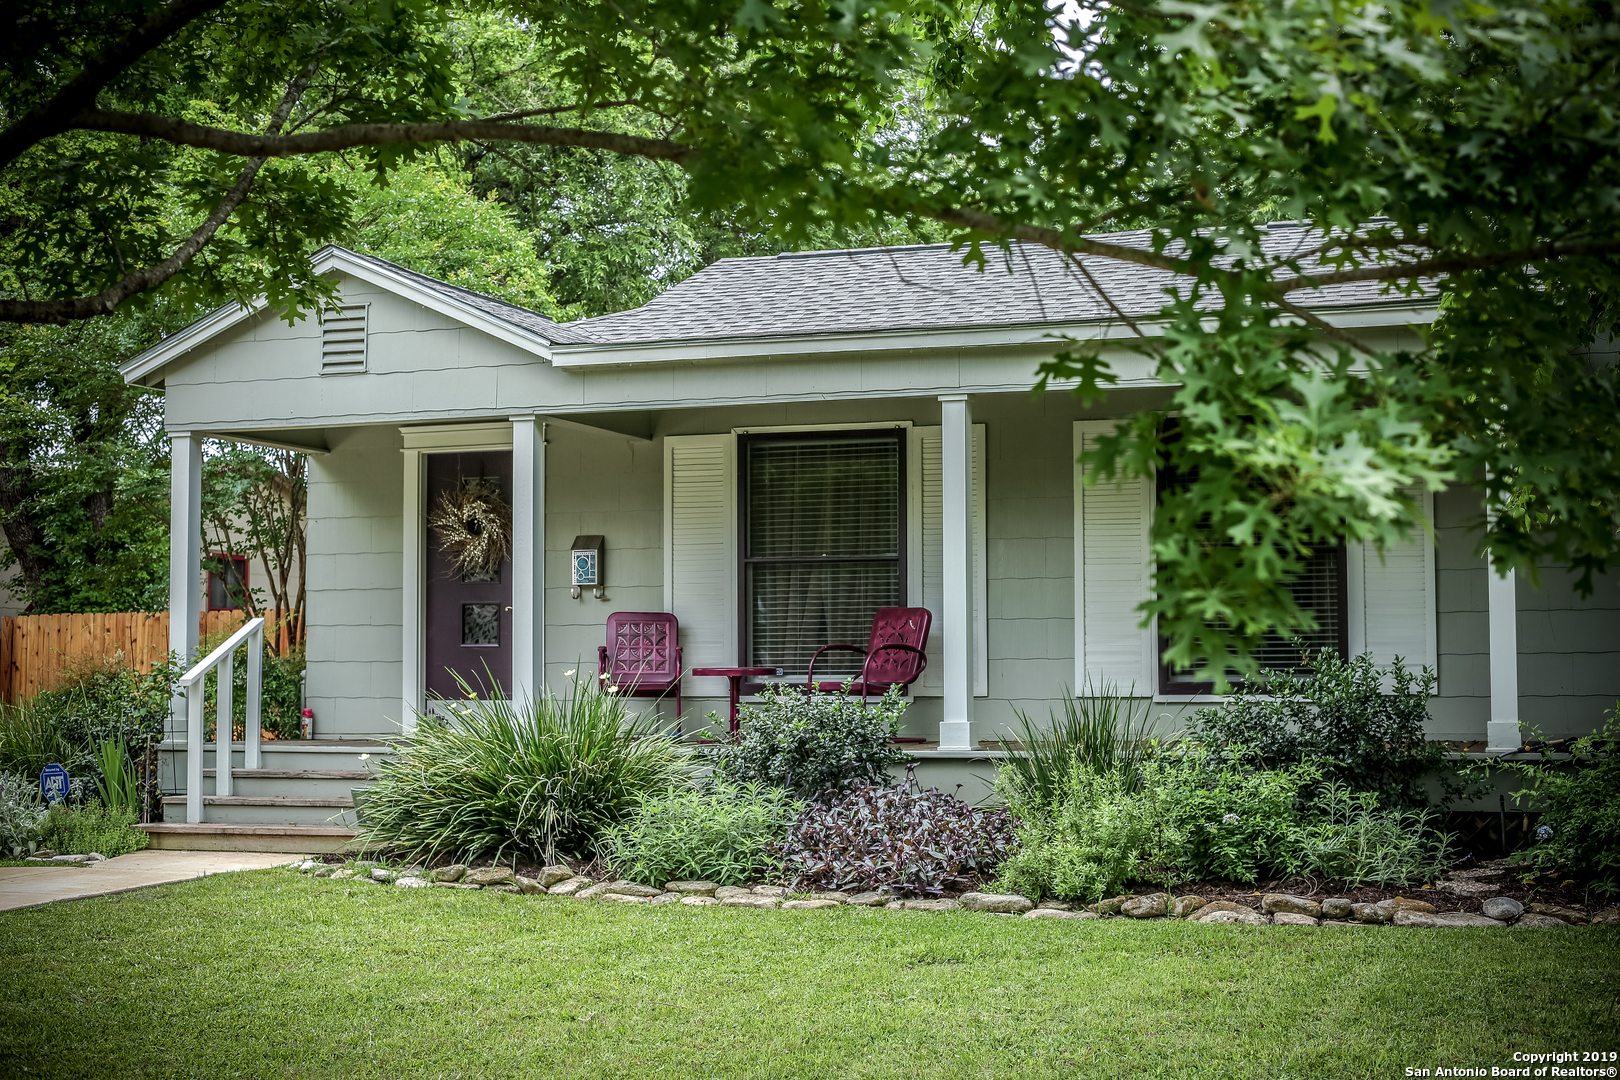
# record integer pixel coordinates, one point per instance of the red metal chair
(642, 656)
(894, 653)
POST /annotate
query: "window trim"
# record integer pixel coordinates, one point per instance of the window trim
(745, 438)
(227, 557)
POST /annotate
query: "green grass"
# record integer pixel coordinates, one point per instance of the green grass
(271, 974)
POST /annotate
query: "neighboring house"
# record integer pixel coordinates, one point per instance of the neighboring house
(771, 450)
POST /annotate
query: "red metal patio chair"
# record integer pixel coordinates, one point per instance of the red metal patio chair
(894, 653)
(642, 656)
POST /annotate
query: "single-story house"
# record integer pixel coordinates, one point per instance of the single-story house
(771, 450)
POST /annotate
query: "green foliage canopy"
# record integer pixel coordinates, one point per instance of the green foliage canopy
(1458, 151)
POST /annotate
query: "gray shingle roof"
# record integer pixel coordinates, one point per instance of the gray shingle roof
(913, 288)
(532, 321)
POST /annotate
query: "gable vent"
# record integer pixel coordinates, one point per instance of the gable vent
(343, 339)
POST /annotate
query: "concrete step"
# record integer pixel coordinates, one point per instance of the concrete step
(308, 783)
(334, 811)
(219, 836)
(291, 755)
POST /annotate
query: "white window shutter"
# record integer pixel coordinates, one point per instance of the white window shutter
(1112, 577)
(1392, 599)
(700, 550)
(927, 550)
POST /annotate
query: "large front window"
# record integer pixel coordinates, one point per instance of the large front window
(823, 543)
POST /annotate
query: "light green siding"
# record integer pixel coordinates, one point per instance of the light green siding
(354, 602)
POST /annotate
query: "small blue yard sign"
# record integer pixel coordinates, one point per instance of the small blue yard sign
(53, 782)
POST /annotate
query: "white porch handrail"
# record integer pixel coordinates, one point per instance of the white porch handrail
(192, 683)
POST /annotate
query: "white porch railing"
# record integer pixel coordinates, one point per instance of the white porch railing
(192, 683)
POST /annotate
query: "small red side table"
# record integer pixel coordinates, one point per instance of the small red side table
(735, 676)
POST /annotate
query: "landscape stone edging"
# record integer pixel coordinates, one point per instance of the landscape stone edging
(1278, 909)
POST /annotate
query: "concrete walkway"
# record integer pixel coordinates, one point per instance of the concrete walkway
(25, 886)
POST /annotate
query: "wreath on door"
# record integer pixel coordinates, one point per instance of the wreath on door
(474, 525)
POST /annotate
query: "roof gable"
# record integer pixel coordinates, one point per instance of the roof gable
(528, 330)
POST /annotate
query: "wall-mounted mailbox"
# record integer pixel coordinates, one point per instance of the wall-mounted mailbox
(586, 566)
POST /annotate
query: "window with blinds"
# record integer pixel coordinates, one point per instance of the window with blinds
(823, 542)
(1319, 589)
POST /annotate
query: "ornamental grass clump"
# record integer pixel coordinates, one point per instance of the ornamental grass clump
(504, 779)
(894, 839)
(726, 833)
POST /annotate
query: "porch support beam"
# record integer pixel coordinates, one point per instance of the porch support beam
(185, 588)
(1502, 732)
(956, 491)
(528, 558)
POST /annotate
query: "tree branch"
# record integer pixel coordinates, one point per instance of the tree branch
(1449, 265)
(55, 116)
(247, 144)
(150, 277)
(979, 221)
(553, 110)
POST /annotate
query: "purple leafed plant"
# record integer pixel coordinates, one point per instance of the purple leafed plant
(895, 839)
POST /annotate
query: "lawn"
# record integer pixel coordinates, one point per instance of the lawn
(275, 974)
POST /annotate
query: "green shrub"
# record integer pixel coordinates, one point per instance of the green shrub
(31, 740)
(807, 743)
(281, 700)
(21, 813)
(1340, 714)
(101, 701)
(1353, 840)
(1225, 821)
(91, 829)
(1579, 799)
(537, 780)
(721, 832)
(1101, 730)
(1081, 843)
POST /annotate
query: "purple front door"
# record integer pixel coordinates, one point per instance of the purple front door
(469, 619)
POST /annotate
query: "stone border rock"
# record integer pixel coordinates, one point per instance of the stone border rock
(1276, 909)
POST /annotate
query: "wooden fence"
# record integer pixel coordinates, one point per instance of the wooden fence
(35, 649)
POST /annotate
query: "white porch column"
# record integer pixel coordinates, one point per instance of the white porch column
(528, 557)
(956, 491)
(185, 587)
(1502, 731)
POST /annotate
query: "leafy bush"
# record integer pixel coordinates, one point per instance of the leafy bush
(281, 701)
(1354, 841)
(1100, 730)
(808, 743)
(537, 779)
(722, 832)
(902, 841)
(1082, 842)
(21, 813)
(92, 829)
(102, 700)
(1340, 715)
(1224, 821)
(1580, 803)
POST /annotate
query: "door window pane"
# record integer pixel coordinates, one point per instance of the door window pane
(480, 624)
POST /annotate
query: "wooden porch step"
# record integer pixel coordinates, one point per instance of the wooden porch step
(221, 836)
(341, 802)
(295, 774)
